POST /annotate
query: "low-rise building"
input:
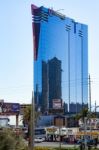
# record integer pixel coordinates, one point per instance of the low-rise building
(4, 121)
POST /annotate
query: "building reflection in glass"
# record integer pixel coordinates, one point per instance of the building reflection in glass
(60, 60)
(51, 82)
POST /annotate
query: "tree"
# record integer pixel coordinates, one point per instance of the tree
(27, 118)
(10, 141)
(26, 115)
(85, 113)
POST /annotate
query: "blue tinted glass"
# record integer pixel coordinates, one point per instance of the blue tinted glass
(61, 61)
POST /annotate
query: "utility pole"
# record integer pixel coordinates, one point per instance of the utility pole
(95, 108)
(89, 93)
(32, 123)
(90, 105)
(59, 132)
(85, 128)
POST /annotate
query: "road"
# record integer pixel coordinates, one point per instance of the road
(55, 144)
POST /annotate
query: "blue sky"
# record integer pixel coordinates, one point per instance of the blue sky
(16, 44)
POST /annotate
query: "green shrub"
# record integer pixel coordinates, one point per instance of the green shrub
(42, 148)
(49, 148)
(10, 141)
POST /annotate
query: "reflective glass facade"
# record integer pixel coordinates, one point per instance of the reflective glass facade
(60, 60)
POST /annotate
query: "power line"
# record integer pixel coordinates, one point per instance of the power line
(16, 87)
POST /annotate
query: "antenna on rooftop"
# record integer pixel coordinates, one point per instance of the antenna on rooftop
(59, 9)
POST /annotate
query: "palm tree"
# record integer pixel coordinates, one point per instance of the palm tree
(27, 118)
(26, 115)
(84, 112)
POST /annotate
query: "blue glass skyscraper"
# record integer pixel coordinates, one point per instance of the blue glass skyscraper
(60, 60)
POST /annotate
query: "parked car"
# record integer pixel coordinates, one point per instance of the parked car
(39, 140)
(88, 141)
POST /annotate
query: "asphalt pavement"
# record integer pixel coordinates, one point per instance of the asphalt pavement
(55, 144)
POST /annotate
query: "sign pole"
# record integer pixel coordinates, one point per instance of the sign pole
(32, 123)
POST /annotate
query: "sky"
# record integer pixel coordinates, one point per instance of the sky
(16, 44)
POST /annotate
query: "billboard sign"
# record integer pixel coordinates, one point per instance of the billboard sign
(57, 103)
(8, 108)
